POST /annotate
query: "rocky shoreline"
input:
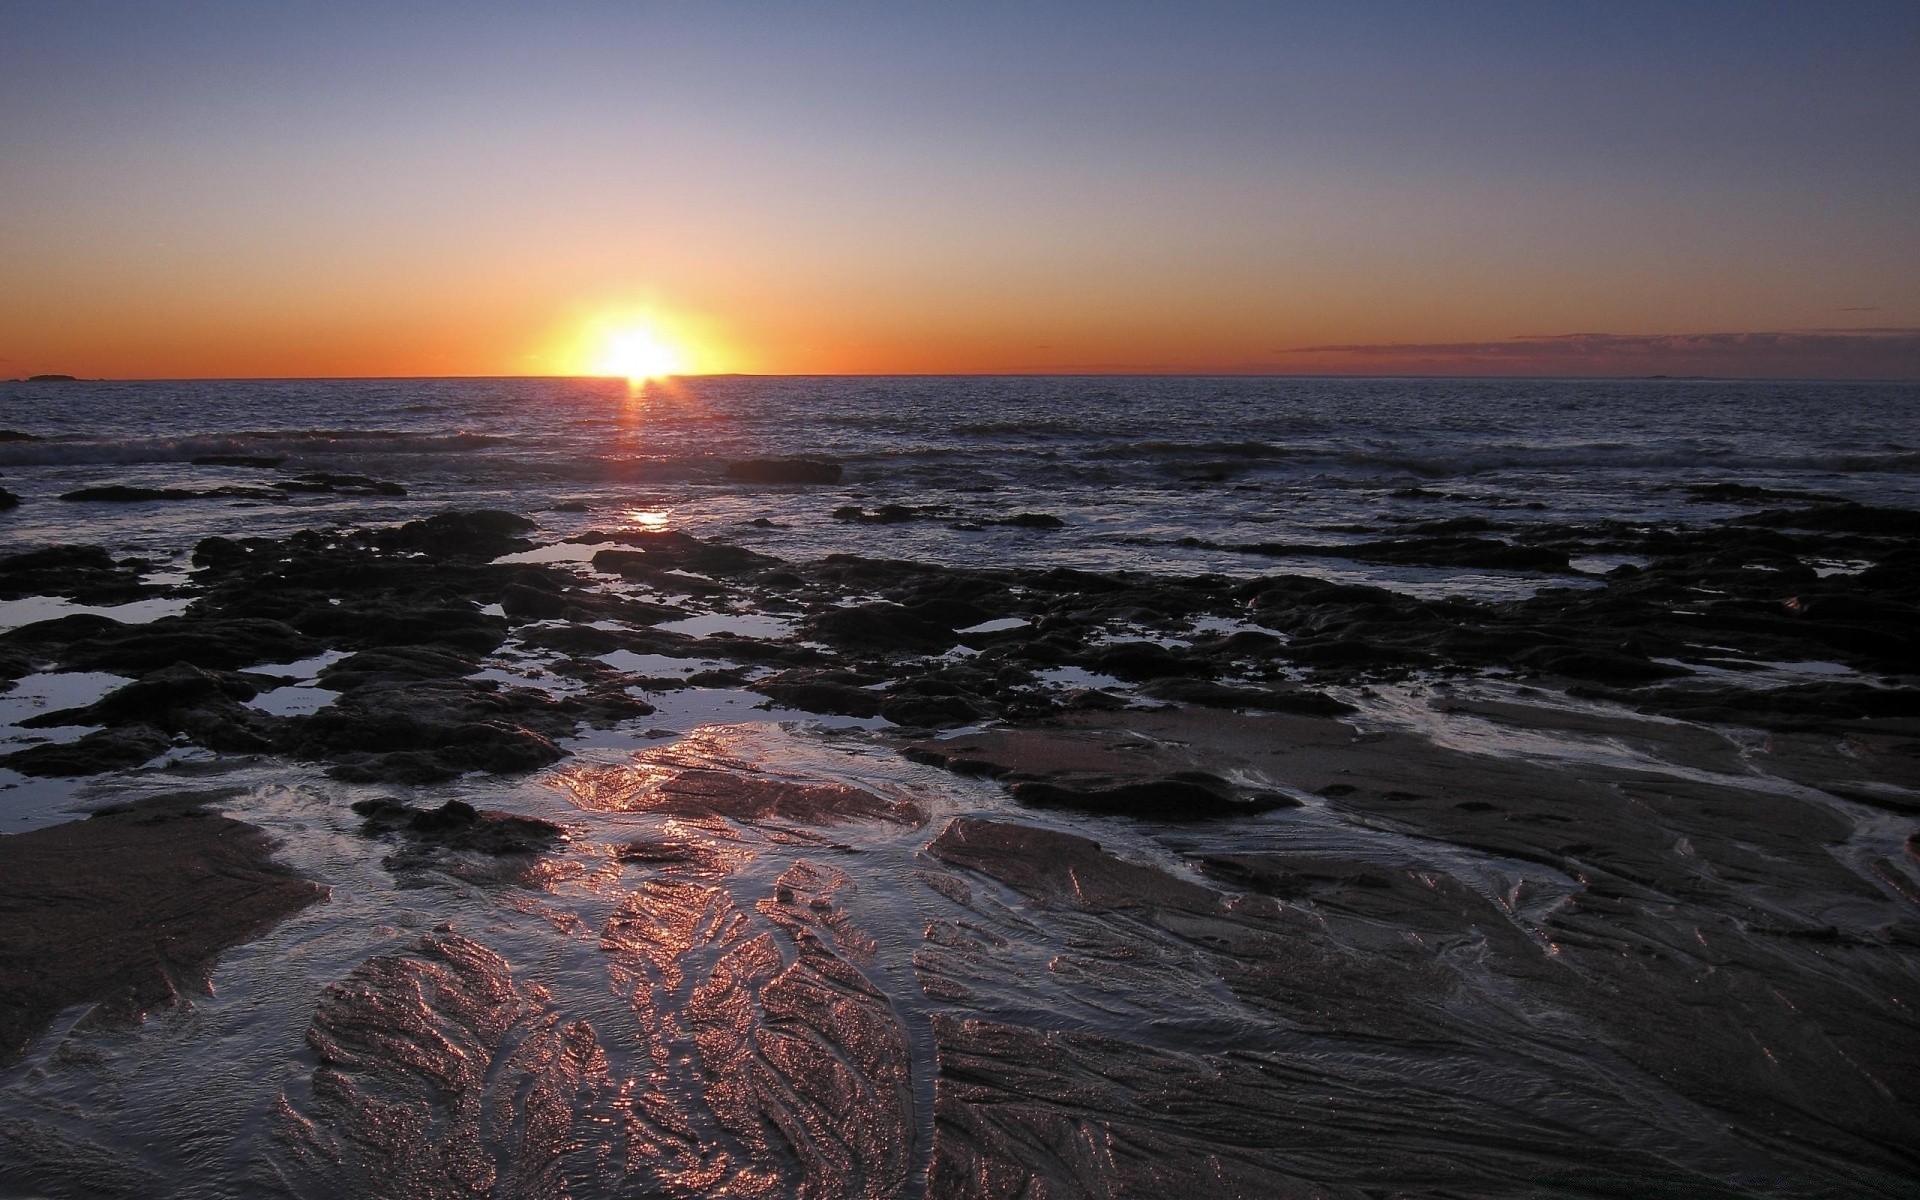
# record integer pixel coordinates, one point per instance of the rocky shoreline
(1706, 916)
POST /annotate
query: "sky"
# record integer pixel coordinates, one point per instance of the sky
(342, 189)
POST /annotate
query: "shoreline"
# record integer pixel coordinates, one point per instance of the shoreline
(1321, 813)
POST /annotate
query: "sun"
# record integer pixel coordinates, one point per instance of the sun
(637, 352)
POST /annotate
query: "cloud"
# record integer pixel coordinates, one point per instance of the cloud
(1869, 353)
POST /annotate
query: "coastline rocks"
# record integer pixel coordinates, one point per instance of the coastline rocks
(784, 470)
(1094, 770)
(87, 574)
(207, 643)
(180, 699)
(119, 493)
(434, 730)
(8, 500)
(457, 825)
(844, 693)
(104, 750)
(128, 906)
(479, 534)
(672, 550)
(880, 625)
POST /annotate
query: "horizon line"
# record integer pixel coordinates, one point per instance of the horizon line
(1150, 373)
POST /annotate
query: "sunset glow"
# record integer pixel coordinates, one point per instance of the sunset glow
(638, 353)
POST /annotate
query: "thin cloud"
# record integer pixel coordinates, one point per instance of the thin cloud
(1877, 352)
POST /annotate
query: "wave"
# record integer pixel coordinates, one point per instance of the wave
(291, 443)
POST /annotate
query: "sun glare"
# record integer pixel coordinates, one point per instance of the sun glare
(637, 353)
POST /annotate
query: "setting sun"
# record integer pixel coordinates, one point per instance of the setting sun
(637, 352)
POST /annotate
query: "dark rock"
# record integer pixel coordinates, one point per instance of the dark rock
(1033, 520)
(396, 664)
(640, 567)
(209, 643)
(784, 470)
(1092, 770)
(16, 435)
(879, 626)
(1842, 518)
(8, 500)
(1745, 493)
(84, 573)
(460, 627)
(457, 825)
(120, 493)
(1182, 796)
(1143, 660)
(1216, 695)
(916, 710)
(330, 484)
(105, 750)
(533, 603)
(840, 692)
(181, 699)
(673, 550)
(480, 534)
(1489, 553)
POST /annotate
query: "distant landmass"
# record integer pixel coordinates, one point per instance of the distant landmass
(52, 378)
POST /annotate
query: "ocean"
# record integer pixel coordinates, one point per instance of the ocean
(1131, 466)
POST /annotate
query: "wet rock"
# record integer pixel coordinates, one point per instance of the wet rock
(128, 906)
(784, 470)
(1143, 660)
(87, 574)
(334, 484)
(919, 710)
(457, 825)
(16, 435)
(1082, 768)
(119, 493)
(208, 643)
(1263, 699)
(879, 626)
(106, 750)
(1490, 553)
(480, 534)
(1844, 517)
(1032, 520)
(841, 692)
(1746, 493)
(671, 550)
(456, 626)
(180, 699)
(397, 664)
(639, 567)
(433, 730)
(698, 778)
(8, 500)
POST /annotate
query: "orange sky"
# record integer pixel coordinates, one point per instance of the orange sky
(267, 193)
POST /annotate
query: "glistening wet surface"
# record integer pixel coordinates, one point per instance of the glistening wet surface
(776, 960)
